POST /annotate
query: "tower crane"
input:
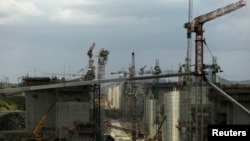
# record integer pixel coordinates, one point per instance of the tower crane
(102, 60)
(197, 26)
(90, 51)
(142, 70)
(90, 73)
(123, 73)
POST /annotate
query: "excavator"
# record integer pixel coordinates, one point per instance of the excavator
(36, 134)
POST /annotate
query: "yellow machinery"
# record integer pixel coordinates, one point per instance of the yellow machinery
(36, 134)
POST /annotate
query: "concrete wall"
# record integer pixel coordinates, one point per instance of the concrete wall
(225, 112)
(238, 115)
(67, 113)
(37, 104)
(72, 105)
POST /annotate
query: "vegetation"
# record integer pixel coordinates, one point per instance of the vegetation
(15, 119)
(12, 103)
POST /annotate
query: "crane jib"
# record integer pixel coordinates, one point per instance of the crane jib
(219, 12)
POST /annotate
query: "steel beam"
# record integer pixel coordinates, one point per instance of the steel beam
(225, 95)
(82, 82)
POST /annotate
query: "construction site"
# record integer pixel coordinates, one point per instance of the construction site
(138, 104)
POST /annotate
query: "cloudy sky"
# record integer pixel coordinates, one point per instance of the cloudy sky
(41, 37)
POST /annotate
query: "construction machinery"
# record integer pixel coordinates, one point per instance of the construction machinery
(196, 26)
(155, 71)
(142, 70)
(90, 75)
(102, 60)
(36, 133)
(123, 74)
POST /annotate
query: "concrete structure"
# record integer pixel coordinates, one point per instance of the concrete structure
(71, 108)
(174, 101)
(224, 112)
(114, 97)
(73, 116)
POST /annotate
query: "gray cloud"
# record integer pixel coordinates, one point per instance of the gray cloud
(58, 33)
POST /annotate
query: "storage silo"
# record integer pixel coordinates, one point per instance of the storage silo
(114, 96)
(174, 107)
(150, 113)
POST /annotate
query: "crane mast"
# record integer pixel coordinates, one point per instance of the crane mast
(189, 38)
(90, 54)
(187, 79)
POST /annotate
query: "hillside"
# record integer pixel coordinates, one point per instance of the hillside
(12, 103)
(225, 81)
(12, 113)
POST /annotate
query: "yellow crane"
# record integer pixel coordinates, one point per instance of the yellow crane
(36, 134)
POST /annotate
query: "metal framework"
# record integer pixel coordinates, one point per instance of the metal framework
(97, 110)
(102, 60)
(133, 98)
(197, 26)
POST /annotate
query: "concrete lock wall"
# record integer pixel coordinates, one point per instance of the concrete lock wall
(67, 113)
(70, 106)
(37, 104)
(237, 115)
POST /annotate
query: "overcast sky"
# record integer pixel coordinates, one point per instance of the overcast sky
(39, 37)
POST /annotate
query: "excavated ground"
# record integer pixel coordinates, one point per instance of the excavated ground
(12, 118)
(12, 125)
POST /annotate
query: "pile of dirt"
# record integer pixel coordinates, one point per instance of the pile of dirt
(11, 123)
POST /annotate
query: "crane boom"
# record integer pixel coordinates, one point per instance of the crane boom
(90, 54)
(36, 132)
(219, 12)
(91, 70)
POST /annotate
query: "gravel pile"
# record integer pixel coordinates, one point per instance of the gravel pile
(12, 121)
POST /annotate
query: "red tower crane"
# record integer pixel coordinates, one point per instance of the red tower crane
(196, 26)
